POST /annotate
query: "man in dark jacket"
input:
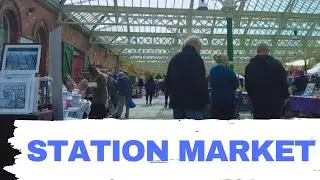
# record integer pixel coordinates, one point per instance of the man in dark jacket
(124, 85)
(186, 82)
(266, 84)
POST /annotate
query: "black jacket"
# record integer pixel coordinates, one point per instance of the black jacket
(266, 81)
(186, 80)
(150, 85)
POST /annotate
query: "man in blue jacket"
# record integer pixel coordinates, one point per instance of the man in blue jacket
(186, 82)
(124, 86)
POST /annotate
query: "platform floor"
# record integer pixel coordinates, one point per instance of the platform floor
(157, 110)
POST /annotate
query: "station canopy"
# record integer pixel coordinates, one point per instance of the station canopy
(150, 32)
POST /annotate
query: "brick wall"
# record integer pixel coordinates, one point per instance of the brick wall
(28, 23)
(81, 42)
(69, 34)
(77, 39)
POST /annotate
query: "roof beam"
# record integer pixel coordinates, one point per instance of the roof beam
(311, 29)
(222, 36)
(62, 2)
(189, 18)
(97, 23)
(285, 17)
(218, 47)
(240, 10)
(172, 11)
(115, 2)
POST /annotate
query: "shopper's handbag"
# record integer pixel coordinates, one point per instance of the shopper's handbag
(132, 104)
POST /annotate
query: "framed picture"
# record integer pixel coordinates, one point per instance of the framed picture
(16, 96)
(21, 58)
(25, 40)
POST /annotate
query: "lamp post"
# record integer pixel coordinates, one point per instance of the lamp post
(229, 7)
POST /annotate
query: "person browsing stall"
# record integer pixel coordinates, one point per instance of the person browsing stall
(98, 85)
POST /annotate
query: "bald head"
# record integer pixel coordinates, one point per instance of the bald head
(263, 49)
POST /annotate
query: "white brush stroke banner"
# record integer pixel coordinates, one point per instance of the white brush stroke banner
(173, 131)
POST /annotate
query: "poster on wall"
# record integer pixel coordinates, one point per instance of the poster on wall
(24, 40)
(21, 58)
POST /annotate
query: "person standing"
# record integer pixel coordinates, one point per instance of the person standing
(98, 85)
(150, 87)
(124, 86)
(266, 84)
(224, 83)
(140, 85)
(112, 90)
(166, 94)
(186, 82)
(300, 83)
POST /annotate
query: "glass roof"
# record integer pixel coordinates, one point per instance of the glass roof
(297, 6)
(153, 30)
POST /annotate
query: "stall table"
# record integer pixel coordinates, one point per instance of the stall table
(78, 111)
(243, 101)
(303, 104)
(46, 115)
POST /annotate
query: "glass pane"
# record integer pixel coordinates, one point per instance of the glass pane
(306, 6)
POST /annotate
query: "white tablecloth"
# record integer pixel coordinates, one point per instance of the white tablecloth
(78, 111)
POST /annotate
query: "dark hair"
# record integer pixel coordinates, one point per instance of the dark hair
(92, 69)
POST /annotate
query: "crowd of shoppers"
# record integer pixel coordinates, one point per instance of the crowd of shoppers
(187, 85)
(191, 92)
(104, 90)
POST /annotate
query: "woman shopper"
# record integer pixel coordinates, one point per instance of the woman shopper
(223, 83)
(150, 87)
(99, 96)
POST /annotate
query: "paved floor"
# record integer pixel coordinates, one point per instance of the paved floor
(157, 110)
(154, 111)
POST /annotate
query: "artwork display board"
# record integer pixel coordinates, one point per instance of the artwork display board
(17, 96)
(309, 89)
(21, 58)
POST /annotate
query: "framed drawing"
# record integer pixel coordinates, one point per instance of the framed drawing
(21, 58)
(15, 96)
(25, 40)
(309, 89)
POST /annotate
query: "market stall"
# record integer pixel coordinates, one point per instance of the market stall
(315, 69)
(22, 95)
(74, 106)
(306, 105)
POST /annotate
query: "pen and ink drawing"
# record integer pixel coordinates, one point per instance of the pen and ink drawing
(17, 96)
(21, 59)
(13, 95)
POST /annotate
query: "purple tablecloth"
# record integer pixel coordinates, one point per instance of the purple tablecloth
(304, 104)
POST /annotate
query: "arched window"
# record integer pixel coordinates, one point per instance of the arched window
(4, 33)
(40, 36)
(4, 30)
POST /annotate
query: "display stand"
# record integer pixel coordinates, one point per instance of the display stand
(19, 86)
